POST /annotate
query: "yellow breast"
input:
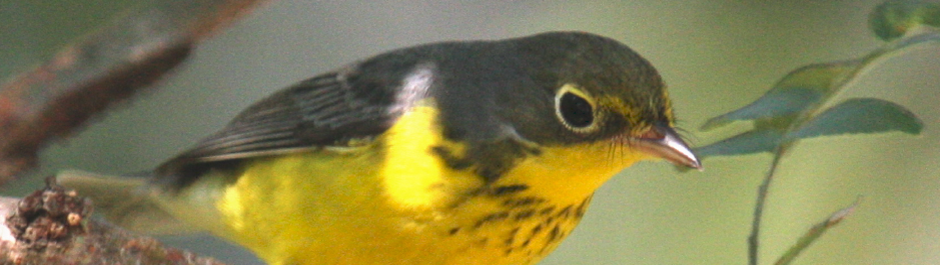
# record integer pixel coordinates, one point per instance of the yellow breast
(396, 202)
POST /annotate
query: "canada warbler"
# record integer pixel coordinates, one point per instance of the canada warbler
(477, 152)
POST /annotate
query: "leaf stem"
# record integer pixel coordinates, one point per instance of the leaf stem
(815, 232)
(762, 192)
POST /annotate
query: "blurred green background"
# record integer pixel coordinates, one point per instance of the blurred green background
(716, 56)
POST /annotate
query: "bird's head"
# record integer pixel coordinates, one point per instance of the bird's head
(596, 97)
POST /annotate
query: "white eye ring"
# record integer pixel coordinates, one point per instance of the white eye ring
(575, 109)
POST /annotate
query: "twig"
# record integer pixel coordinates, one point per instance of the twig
(815, 232)
(762, 192)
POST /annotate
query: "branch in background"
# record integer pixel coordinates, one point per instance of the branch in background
(107, 66)
(51, 226)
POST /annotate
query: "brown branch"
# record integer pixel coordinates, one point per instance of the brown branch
(52, 226)
(110, 65)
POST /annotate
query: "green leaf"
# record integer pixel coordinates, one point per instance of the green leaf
(796, 92)
(750, 142)
(777, 102)
(860, 115)
(910, 41)
(892, 19)
(822, 77)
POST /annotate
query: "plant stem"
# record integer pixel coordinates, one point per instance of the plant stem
(762, 192)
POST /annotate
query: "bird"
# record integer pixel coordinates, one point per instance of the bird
(456, 152)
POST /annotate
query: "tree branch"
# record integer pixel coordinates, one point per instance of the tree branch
(86, 77)
(52, 226)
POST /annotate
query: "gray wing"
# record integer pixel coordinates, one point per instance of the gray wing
(328, 110)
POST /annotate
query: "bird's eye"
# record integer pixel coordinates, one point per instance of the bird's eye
(574, 110)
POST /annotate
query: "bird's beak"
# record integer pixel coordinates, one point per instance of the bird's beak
(664, 142)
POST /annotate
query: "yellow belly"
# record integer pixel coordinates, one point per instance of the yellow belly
(393, 201)
(339, 215)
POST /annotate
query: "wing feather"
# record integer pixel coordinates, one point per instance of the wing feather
(327, 110)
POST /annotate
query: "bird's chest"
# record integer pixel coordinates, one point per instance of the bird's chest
(481, 230)
(352, 218)
(513, 229)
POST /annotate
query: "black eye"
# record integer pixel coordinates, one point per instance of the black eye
(575, 110)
